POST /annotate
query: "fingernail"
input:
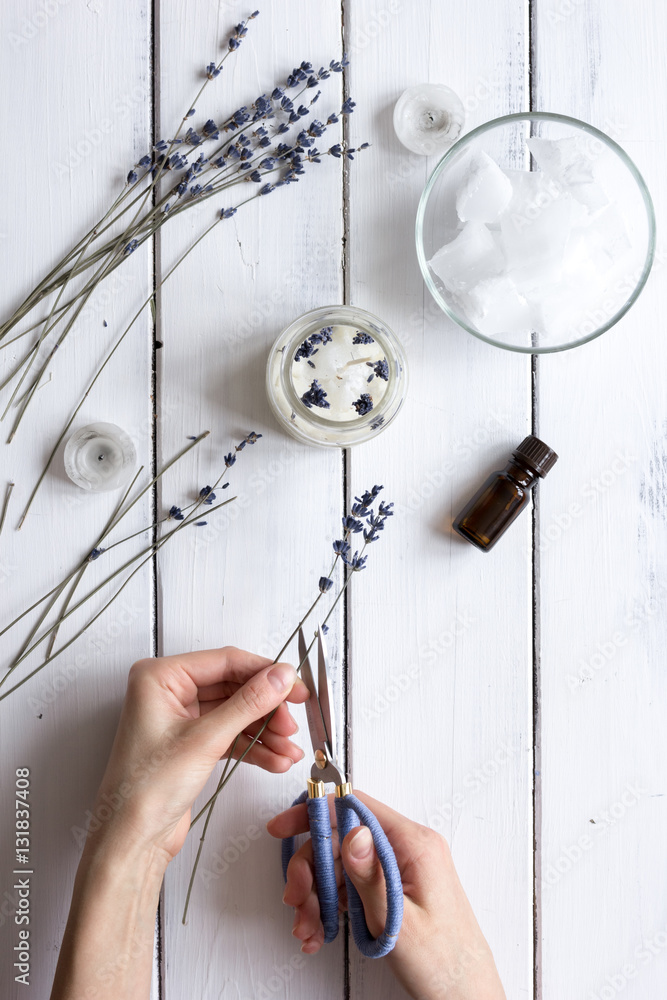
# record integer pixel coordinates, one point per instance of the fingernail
(361, 844)
(282, 676)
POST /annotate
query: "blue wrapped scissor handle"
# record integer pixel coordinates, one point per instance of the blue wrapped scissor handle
(350, 812)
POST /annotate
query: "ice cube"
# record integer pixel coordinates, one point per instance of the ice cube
(569, 160)
(567, 311)
(485, 193)
(495, 306)
(445, 192)
(608, 234)
(571, 163)
(535, 229)
(473, 256)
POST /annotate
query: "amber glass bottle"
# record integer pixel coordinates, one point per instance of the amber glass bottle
(504, 494)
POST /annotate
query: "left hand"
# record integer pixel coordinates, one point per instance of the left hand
(180, 716)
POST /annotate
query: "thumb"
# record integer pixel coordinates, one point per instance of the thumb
(363, 867)
(261, 694)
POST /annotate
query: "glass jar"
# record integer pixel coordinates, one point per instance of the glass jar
(336, 376)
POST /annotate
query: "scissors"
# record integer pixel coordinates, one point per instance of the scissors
(350, 812)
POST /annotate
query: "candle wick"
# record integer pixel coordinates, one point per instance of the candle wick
(355, 361)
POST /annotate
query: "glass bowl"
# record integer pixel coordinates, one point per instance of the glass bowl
(336, 376)
(554, 229)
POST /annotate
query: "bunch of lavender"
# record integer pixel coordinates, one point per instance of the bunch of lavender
(257, 149)
(188, 515)
(361, 520)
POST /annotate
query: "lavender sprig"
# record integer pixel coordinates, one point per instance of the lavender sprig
(5, 505)
(361, 511)
(243, 156)
(189, 519)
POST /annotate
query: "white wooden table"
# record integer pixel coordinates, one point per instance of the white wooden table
(514, 701)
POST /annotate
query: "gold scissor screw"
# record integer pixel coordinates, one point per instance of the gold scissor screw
(320, 759)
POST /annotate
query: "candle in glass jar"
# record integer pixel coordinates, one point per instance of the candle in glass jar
(336, 376)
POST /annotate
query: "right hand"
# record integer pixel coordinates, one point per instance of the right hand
(440, 952)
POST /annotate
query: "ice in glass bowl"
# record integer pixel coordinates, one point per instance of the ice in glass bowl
(535, 232)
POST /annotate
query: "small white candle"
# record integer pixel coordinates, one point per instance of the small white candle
(336, 376)
(100, 457)
(428, 118)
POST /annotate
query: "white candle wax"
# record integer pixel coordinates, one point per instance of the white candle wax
(335, 366)
(100, 457)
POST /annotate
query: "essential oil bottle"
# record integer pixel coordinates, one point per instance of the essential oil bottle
(504, 494)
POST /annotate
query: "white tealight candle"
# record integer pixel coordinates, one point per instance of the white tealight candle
(336, 376)
(428, 118)
(100, 457)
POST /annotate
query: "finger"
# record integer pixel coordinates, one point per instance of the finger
(363, 867)
(300, 877)
(283, 722)
(185, 673)
(261, 756)
(279, 744)
(313, 944)
(307, 921)
(262, 693)
(290, 822)
(404, 834)
(225, 689)
(295, 820)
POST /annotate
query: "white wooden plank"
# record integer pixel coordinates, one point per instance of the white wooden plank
(603, 565)
(256, 568)
(75, 79)
(441, 634)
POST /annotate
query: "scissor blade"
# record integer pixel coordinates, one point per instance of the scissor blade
(324, 690)
(318, 736)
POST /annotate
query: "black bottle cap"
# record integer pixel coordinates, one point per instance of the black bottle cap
(536, 454)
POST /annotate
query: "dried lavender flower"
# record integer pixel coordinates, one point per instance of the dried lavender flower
(363, 405)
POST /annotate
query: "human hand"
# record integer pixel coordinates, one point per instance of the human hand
(180, 716)
(440, 951)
